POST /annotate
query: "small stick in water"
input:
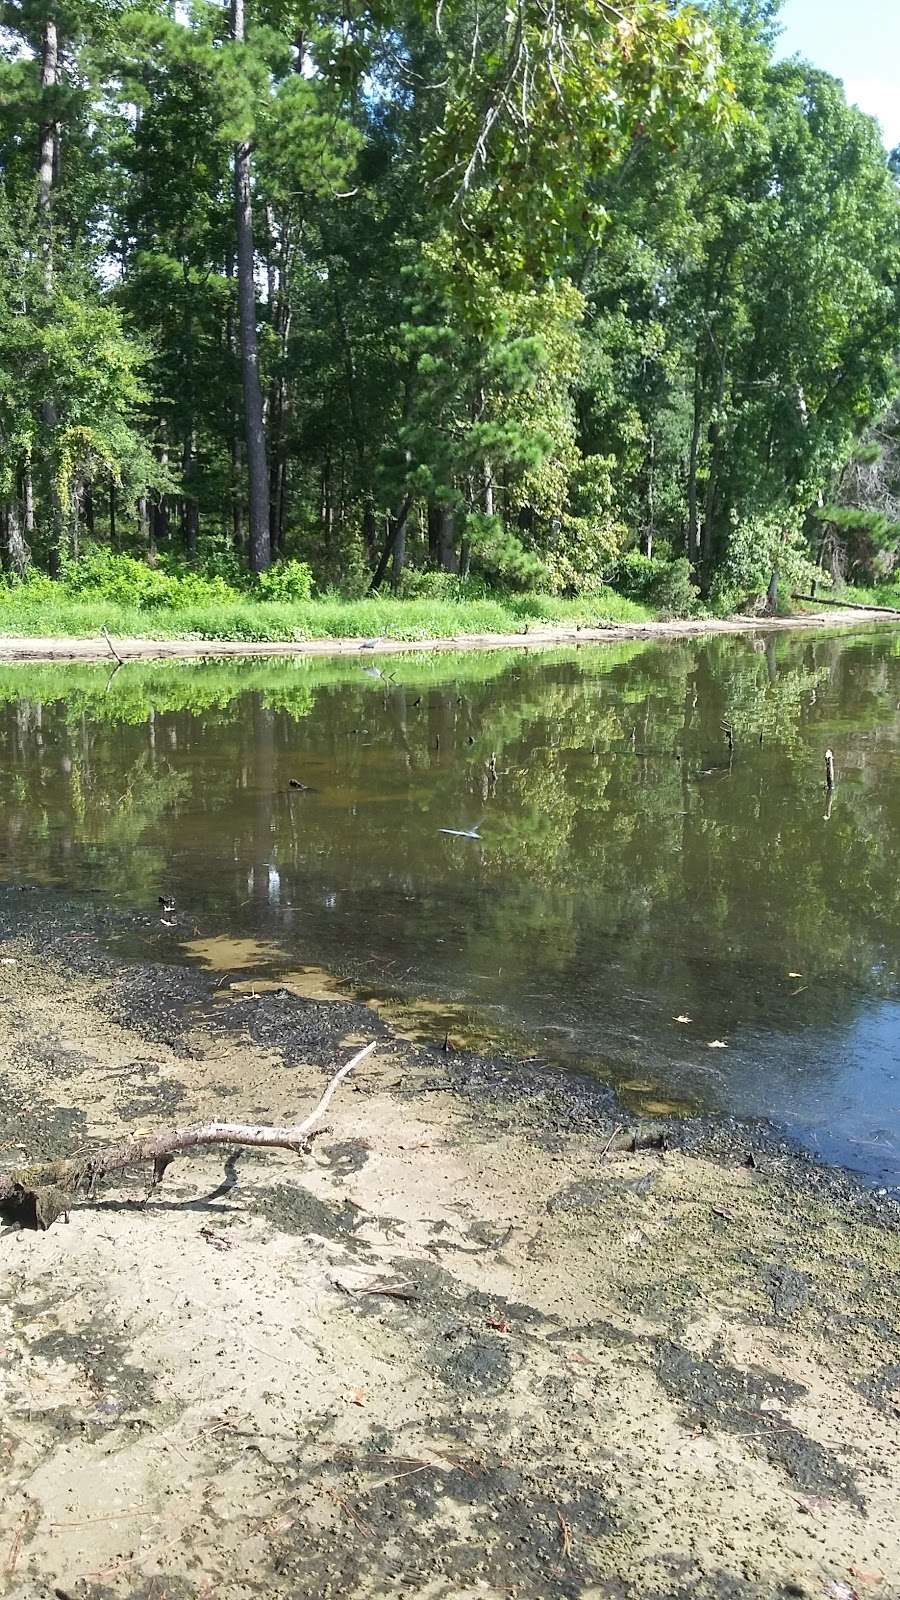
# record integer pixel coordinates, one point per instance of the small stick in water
(829, 770)
(112, 647)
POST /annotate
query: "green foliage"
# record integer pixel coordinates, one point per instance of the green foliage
(287, 580)
(40, 607)
(530, 287)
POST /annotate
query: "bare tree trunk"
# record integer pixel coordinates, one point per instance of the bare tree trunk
(651, 512)
(48, 166)
(113, 535)
(396, 532)
(693, 540)
(368, 530)
(190, 510)
(398, 553)
(260, 548)
(28, 499)
(143, 517)
(441, 537)
(15, 549)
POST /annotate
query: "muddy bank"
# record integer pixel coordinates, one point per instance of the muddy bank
(16, 648)
(455, 1351)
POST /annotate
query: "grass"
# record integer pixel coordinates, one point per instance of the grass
(24, 615)
(882, 594)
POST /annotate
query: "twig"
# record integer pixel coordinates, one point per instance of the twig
(13, 1556)
(565, 1534)
(41, 1193)
(112, 648)
(609, 1143)
(349, 1511)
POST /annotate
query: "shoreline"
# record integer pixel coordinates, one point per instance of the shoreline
(15, 647)
(393, 1366)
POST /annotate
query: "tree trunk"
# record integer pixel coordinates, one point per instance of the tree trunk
(15, 548)
(143, 517)
(28, 499)
(442, 538)
(49, 134)
(48, 165)
(260, 550)
(693, 539)
(394, 538)
(398, 554)
(113, 537)
(369, 535)
(190, 510)
(651, 511)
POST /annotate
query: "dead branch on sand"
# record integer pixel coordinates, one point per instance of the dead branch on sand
(37, 1195)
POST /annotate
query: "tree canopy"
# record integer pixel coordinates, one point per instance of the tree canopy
(512, 291)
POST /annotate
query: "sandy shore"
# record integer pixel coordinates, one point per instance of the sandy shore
(456, 1351)
(13, 648)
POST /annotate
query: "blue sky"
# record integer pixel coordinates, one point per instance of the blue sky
(856, 40)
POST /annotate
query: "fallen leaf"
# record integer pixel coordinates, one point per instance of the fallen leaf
(866, 1575)
(795, 974)
(716, 1044)
(500, 1324)
(682, 1019)
(355, 1397)
(575, 1355)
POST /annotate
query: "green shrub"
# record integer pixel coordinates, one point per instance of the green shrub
(672, 591)
(657, 581)
(286, 581)
(106, 575)
(432, 585)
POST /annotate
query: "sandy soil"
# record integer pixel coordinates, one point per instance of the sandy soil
(456, 1351)
(13, 648)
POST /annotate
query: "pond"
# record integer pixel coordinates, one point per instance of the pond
(554, 852)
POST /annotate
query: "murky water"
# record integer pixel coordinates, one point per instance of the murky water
(618, 892)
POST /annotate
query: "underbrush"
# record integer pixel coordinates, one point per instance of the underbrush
(132, 599)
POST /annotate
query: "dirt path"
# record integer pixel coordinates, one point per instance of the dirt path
(455, 1352)
(13, 648)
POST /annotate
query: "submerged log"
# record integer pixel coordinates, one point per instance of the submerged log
(37, 1195)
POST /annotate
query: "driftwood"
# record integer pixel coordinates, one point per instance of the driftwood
(37, 1195)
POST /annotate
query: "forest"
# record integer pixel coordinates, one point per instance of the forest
(540, 296)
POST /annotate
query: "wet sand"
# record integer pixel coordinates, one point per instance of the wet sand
(473, 1344)
(15, 648)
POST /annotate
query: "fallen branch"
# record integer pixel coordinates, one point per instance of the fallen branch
(828, 601)
(40, 1194)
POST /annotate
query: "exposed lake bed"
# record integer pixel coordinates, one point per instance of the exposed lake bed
(394, 1366)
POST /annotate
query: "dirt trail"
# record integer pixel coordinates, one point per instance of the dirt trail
(654, 1374)
(14, 648)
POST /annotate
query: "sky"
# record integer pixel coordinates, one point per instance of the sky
(856, 40)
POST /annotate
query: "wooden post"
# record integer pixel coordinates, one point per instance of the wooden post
(829, 770)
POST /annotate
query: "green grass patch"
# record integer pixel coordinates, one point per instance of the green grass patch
(25, 613)
(882, 594)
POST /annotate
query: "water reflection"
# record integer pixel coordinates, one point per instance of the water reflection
(560, 848)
